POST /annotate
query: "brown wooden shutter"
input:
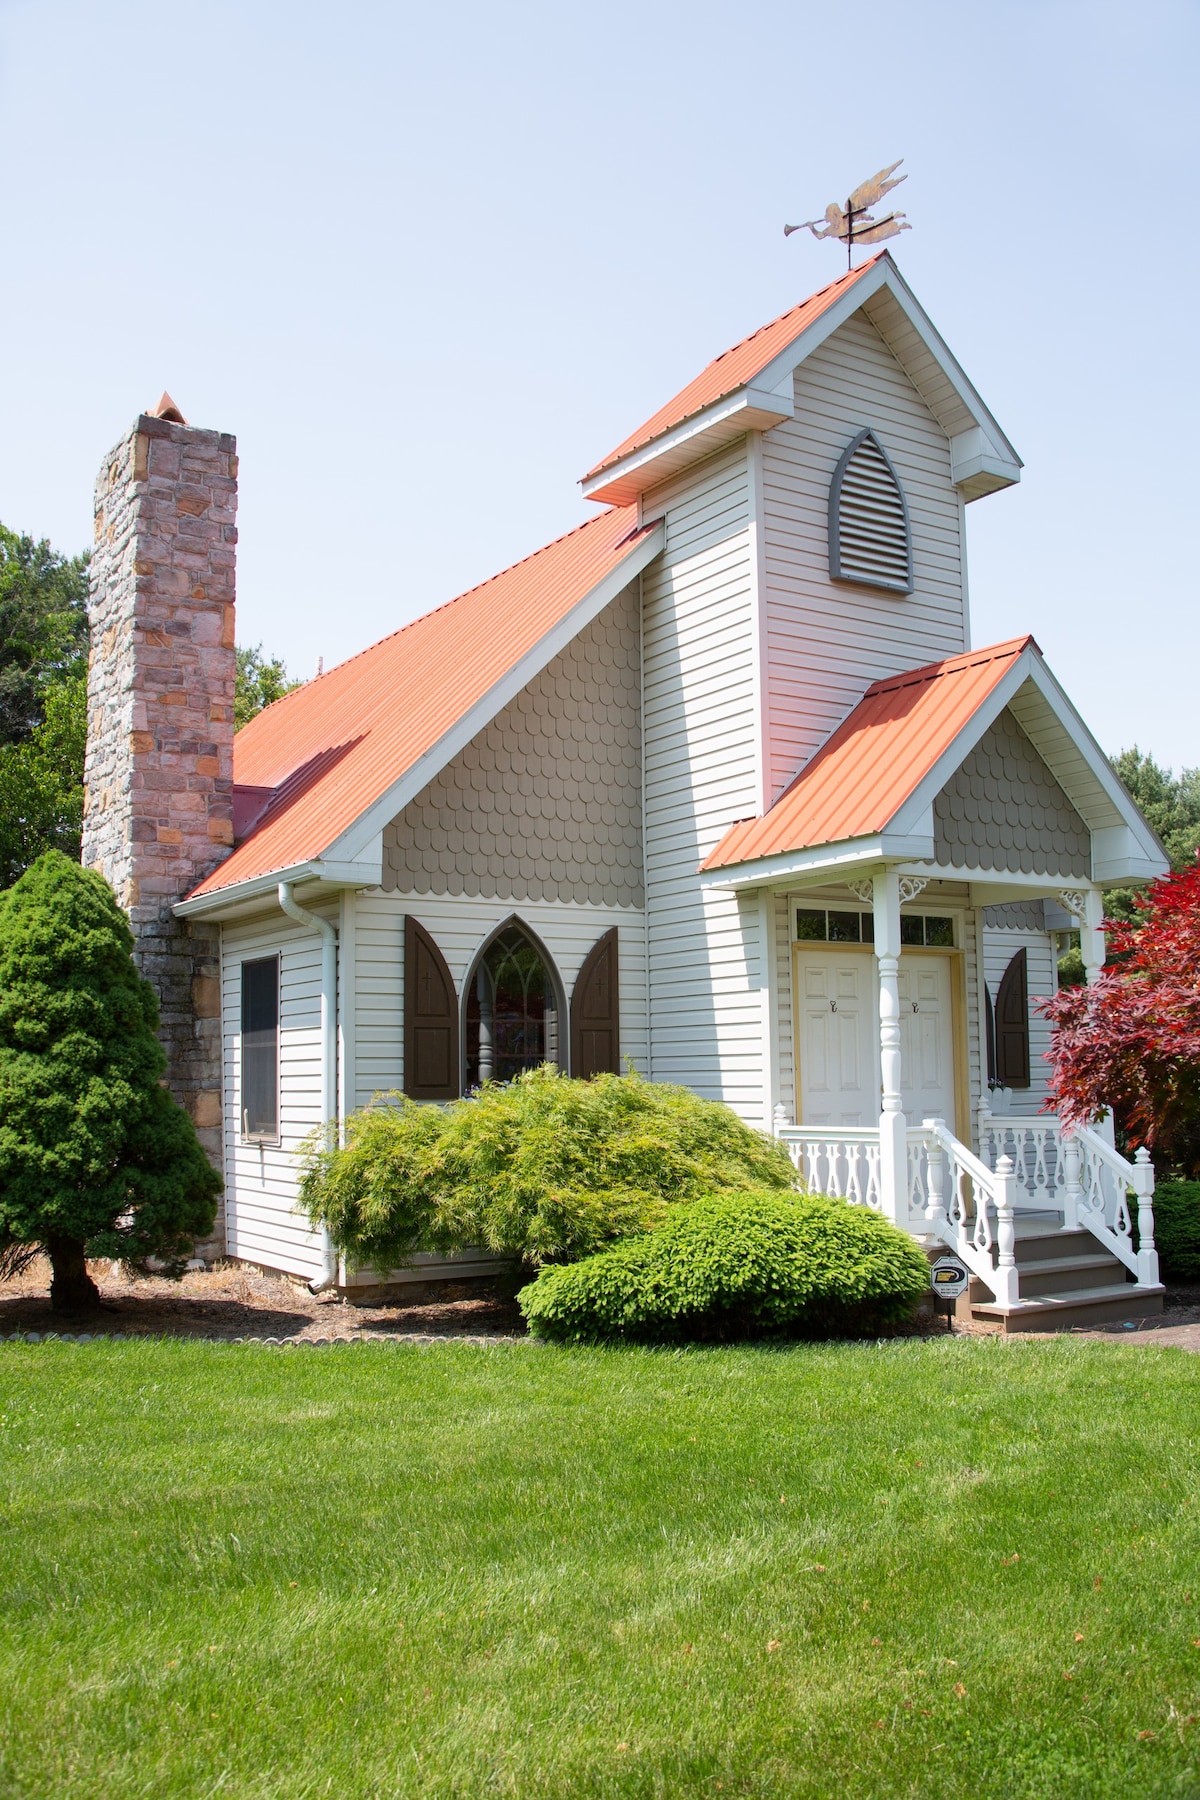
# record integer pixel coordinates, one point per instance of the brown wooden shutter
(1012, 1025)
(430, 1019)
(595, 1012)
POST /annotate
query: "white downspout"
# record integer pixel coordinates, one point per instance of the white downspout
(329, 1094)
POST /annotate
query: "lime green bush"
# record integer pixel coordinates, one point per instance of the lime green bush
(543, 1168)
(1177, 1229)
(736, 1265)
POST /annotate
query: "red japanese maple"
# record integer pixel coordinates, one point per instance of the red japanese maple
(1130, 1041)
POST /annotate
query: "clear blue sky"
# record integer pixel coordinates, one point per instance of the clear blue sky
(429, 263)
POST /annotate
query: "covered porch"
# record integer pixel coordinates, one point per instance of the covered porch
(940, 802)
(1054, 1224)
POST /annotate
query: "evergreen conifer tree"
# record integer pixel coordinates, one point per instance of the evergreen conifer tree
(96, 1157)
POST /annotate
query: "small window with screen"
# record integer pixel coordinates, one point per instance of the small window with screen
(260, 1049)
(821, 927)
(925, 931)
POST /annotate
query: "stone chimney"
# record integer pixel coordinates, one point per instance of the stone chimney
(158, 784)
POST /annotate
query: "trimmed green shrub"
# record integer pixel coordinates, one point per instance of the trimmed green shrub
(1177, 1229)
(96, 1157)
(542, 1168)
(737, 1265)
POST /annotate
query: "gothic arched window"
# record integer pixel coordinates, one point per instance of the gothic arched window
(870, 540)
(512, 1009)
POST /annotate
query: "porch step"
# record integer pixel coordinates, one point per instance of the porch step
(1070, 1274)
(1056, 1246)
(1107, 1305)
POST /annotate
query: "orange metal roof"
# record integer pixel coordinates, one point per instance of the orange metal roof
(734, 368)
(860, 778)
(333, 747)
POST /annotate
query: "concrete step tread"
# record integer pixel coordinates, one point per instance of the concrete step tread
(1048, 1303)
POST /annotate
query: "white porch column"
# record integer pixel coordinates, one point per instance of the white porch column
(1092, 939)
(893, 1138)
(1093, 944)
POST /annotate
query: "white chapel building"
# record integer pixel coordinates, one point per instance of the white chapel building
(717, 786)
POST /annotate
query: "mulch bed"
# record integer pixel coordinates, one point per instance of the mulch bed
(233, 1301)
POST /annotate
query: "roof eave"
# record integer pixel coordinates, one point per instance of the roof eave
(331, 874)
(747, 408)
(846, 855)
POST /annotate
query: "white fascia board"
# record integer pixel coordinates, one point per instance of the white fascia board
(238, 892)
(366, 872)
(354, 843)
(993, 887)
(849, 855)
(751, 408)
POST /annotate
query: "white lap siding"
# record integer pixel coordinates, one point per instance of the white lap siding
(827, 641)
(459, 925)
(263, 1224)
(702, 770)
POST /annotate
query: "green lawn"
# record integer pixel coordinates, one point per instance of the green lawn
(962, 1567)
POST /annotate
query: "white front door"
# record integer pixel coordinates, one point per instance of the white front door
(926, 1039)
(839, 1040)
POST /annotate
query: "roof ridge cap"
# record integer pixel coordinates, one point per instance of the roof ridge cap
(949, 665)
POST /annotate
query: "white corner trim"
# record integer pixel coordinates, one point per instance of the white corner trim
(353, 843)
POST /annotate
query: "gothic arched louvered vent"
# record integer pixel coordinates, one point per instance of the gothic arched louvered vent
(870, 540)
(1012, 1024)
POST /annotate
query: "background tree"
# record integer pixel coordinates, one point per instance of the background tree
(96, 1157)
(43, 700)
(260, 680)
(43, 628)
(1171, 804)
(1130, 1041)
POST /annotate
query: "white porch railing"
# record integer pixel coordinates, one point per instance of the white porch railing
(970, 1202)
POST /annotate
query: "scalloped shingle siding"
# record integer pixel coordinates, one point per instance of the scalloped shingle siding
(545, 804)
(1004, 810)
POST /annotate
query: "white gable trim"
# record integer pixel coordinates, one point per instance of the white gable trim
(982, 458)
(353, 842)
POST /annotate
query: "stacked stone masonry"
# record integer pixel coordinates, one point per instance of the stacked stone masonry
(1003, 809)
(158, 788)
(545, 803)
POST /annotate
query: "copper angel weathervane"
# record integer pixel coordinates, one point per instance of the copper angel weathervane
(852, 224)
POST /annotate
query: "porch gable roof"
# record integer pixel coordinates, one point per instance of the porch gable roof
(879, 771)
